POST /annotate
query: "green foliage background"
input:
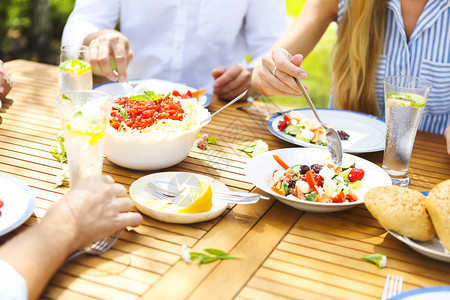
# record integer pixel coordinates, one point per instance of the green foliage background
(16, 24)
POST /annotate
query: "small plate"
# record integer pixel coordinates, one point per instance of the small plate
(259, 171)
(117, 89)
(140, 196)
(18, 202)
(366, 132)
(428, 293)
(432, 248)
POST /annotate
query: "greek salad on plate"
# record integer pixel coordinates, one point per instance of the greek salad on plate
(358, 132)
(306, 178)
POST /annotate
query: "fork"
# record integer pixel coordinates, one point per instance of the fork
(98, 247)
(392, 286)
(245, 198)
(176, 191)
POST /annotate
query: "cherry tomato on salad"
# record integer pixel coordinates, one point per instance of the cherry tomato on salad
(287, 119)
(355, 174)
(176, 93)
(282, 125)
(188, 95)
(339, 198)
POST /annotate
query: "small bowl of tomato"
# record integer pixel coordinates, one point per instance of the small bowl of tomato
(153, 131)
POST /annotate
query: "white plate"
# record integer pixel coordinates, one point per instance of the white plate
(432, 248)
(18, 202)
(117, 89)
(366, 132)
(140, 196)
(428, 293)
(259, 171)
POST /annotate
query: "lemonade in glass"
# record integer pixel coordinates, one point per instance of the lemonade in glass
(85, 117)
(405, 99)
(75, 71)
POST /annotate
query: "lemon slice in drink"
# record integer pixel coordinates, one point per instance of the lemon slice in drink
(84, 127)
(75, 66)
(196, 199)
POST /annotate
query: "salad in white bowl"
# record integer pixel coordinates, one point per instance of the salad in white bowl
(153, 131)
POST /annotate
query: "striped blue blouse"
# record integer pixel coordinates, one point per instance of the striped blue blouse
(426, 55)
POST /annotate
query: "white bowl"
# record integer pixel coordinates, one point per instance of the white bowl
(150, 150)
(259, 171)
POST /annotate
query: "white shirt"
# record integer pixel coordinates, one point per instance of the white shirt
(12, 284)
(183, 40)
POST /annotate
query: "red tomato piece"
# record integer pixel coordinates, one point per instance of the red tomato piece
(355, 174)
(339, 198)
(282, 125)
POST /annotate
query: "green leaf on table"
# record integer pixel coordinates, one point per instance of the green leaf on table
(254, 148)
(211, 140)
(122, 111)
(378, 259)
(215, 251)
(58, 151)
(202, 258)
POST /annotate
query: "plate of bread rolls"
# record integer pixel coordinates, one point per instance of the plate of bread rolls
(422, 223)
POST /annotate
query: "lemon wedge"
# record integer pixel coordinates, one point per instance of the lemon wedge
(196, 199)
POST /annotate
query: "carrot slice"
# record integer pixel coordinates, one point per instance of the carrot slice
(277, 190)
(198, 93)
(281, 162)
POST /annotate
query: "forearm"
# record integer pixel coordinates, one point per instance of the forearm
(37, 253)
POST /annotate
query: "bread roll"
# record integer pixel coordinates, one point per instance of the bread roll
(438, 206)
(402, 210)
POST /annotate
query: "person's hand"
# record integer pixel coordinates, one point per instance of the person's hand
(107, 45)
(5, 81)
(94, 208)
(274, 74)
(231, 81)
(447, 138)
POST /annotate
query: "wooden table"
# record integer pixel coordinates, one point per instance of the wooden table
(285, 253)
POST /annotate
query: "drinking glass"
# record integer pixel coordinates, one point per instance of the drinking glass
(405, 99)
(75, 71)
(85, 116)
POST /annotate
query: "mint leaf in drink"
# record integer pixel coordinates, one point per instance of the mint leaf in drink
(65, 97)
(378, 259)
(122, 111)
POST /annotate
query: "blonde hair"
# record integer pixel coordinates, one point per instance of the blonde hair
(359, 43)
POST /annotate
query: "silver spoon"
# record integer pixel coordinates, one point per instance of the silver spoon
(128, 86)
(225, 106)
(333, 140)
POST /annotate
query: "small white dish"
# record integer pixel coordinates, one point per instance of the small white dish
(19, 203)
(367, 132)
(117, 89)
(259, 171)
(139, 195)
(432, 248)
